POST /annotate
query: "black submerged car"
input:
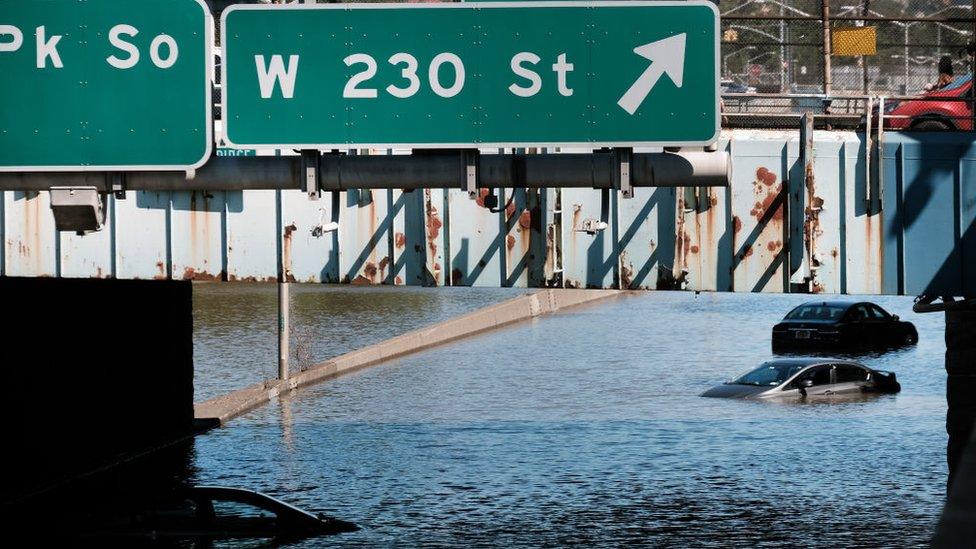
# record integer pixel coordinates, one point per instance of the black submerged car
(833, 324)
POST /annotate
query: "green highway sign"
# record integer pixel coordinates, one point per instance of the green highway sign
(498, 74)
(105, 85)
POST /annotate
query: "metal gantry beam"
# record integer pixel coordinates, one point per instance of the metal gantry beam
(596, 170)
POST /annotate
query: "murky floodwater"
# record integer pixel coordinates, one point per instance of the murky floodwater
(586, 427)
(235, 325)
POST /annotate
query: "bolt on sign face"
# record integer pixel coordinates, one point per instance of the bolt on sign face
(103, 85)
(499, 74)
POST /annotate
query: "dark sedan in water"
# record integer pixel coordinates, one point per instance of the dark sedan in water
(833, 324)
(793, 378)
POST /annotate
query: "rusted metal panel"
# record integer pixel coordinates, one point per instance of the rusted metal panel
(926, 232)
(758, 201)
(250, 245)
(30, 244)
(860, 250)
(703, 249)
(814, 211)
(477, 238)
(522, 208)
(88, 255)
(365, 235)
(691, 238)
(589, 258)
(435, 237)
(142, 235)
(197, 235)
(308, 255)
(647, 240)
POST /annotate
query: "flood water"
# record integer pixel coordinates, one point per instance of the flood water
(235, 331)
(585, 427)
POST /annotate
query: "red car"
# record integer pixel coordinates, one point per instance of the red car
(931, 111)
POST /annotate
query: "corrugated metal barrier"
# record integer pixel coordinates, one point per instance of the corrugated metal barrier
(792, 220)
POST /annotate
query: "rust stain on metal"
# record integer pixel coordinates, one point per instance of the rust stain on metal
(191, 274)
(510, 210)
(762, 206)
(289, 231)
(397, 280)
(399, 240)
(626, 271)
(525, 220)
(161, 268)
(811, 224)
(433, 223)
(361, 280)
(480, 200)
(550, 266)
(736, 224)
(774, 245)
(766, 177)
(510, 242)
(251, 279)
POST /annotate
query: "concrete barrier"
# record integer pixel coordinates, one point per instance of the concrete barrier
(229, 406)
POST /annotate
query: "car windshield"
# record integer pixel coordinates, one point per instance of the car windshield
(816, 312)
(769, 374)
(959, 82)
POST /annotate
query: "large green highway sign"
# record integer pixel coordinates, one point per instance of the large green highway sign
(499, 74)
(104, 85)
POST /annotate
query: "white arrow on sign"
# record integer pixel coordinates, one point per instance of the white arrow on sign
(667, 56)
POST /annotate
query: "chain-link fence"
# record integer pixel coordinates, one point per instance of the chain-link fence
(779, 46)
(784, 57)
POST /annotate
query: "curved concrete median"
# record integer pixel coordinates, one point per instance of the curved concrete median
(224, 408)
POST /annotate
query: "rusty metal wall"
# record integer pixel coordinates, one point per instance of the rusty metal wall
(800, 215)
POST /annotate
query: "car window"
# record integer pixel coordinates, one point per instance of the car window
(223, 508)
(848, 373)
(769, 374)
(959, 82)
(815, 312)
(820, 376)
(858, 313)
(878, 313)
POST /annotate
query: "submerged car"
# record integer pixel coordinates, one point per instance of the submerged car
(220, 512)
(834, 324)
(806, 377)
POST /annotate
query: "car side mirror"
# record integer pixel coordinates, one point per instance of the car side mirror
(806, 383)
(894, 317)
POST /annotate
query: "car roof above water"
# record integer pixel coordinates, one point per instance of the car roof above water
(839, 304)
(807, 361)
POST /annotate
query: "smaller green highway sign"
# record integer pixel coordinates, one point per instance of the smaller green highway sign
(498, 74)
(105, 85)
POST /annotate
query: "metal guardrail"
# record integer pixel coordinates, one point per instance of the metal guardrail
(894, 112)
